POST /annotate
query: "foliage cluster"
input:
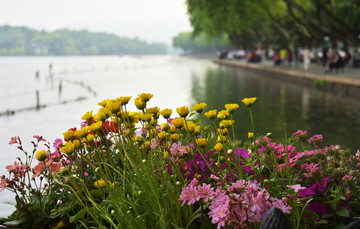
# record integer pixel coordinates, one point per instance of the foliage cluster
(303, 22)
(124, 169)
(24, 41)
(200, 44)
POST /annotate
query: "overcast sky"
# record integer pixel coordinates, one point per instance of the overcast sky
(150, 20)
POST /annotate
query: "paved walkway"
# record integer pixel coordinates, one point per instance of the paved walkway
(348, 77)
(319, 69)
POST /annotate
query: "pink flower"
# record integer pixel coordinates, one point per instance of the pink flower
(17, 169)
(39, 138)
(38, 169)
(178, 149)
(300, 135)
(206, 192)
(296, 187)
(189, 194)
(57, 144)
(219, 215)
(13, 140)
(2, 185)
(214, 177)
(316, 140)
(55, 167)
(239, 184)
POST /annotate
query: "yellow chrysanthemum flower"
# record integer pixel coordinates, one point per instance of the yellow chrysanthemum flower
(76, 143)
(166, 113)
(124, 99)
(102, 114)
(146, 117)
(40, 155)
(82, 132)
(172, 129)
(231, 107)
(250, 135)
(140, 103)
(103, 103)
(146, 145)
(174, 137)
(95, 126)
(165, 126)
(87, 116)
(199, 107)
(146, 96)
(211, 114)
(249, 101)
(223, 132)
(197, 130)
(69, 135)
(223, 114)
(154, 110)
(178, 122)
(189, 126)
(100, 183)
(226, 123)
(182, 111)
(222, 139)
(114, 107)
(202, 142)
(219, 147)
(68, 148)
(88, 138)
(162, 135)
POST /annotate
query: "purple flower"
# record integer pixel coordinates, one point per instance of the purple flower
(57, 144)
(296, 187)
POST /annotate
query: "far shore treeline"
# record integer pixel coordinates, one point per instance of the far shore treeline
(26, 41)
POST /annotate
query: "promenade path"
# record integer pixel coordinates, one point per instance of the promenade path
(316, 72)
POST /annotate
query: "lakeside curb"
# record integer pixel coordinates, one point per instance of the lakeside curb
(344, 81)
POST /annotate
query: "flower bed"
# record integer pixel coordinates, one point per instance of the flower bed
(124, 169)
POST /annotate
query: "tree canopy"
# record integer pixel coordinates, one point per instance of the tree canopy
(200, 44)
(25, 41)
(301, 22)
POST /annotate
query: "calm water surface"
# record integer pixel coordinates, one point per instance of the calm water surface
(174, 81)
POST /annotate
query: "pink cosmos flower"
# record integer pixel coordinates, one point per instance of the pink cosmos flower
(206, 192)
(296, 187)
(13, 140)
(57, 144)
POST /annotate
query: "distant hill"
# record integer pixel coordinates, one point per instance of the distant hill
(25, 41)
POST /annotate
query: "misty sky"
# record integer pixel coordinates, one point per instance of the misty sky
(150, 20)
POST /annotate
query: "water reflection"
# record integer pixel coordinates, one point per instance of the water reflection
(281, 104)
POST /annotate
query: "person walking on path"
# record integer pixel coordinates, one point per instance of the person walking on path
(306, 58)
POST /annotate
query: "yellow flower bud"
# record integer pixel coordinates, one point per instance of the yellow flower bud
(219, 147)
(146, 96)
(87, 116)
(140, 103)
(100, 183)
(250, 135)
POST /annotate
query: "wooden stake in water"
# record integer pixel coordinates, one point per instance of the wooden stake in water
(37, 100)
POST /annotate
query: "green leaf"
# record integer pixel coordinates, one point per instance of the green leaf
(343, 212)
(339, 226)
(78, 215)
(14, 223)
(68, 207)
(323, 221)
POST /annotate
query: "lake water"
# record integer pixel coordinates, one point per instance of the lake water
(174, 81)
